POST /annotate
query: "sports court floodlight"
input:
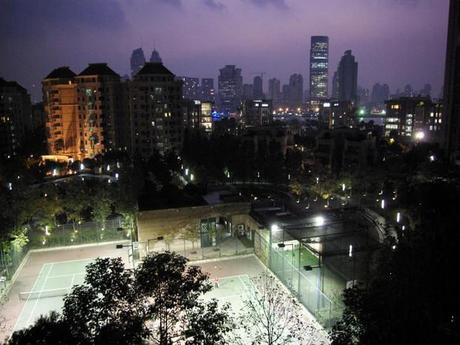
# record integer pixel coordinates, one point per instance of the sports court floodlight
(319, 221)
(275, 227)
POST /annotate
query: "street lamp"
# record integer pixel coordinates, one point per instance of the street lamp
(398, 217)
(419, 135)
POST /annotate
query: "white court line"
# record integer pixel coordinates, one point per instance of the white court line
(25, 303)
(41, 289)
(67, 275)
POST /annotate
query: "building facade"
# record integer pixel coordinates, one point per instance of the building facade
(155, 107)
(15, 117)
(230, 89)
(190, 88)
(416, 118)
(347, 78)
(257, 113)
(207, 90)
(451, 130)
(319, 67)
(137, 60)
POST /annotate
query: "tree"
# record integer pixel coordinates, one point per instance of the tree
(272, 316)
(412, 297)
(207, 324)
(106, 309)
(49, 329)
(160, 302)
(171, 288)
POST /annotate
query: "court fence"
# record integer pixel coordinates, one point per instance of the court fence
(12, 256)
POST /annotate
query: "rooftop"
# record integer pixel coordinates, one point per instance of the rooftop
(63, 72)
(98, 69)
(154, 68)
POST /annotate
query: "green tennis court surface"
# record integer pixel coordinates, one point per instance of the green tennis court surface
(47, 294)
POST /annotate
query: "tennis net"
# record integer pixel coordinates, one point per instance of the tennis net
(31, 295)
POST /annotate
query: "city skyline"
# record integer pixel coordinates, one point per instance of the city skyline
(279, 51)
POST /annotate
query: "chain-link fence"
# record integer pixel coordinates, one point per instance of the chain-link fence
(11, 256)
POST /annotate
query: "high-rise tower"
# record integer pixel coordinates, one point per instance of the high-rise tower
(319, 66)
(137, 61)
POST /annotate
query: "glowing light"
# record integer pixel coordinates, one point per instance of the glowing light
(398, 217)
(432, 158)
(319, 221)
(382, 204)
(82, 166)
(47, 232)
(191, 177)
(343, 187)
(350, 251)
(419, 135)
(275, 228)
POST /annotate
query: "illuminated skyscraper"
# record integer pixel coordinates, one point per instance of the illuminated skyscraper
(230, 88)
(137, 61)
(319, 67)
(274, 91)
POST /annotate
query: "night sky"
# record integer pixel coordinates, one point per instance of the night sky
(394, 41)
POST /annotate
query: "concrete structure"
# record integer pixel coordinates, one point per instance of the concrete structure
(257, 113)
(190, 88)
(137, 61)
(60, 103)
(155, 107)
(274, 91)
(100, 108)
(417, 118)
(230, 89)
(335, 114)
(198, 115)
(345, 149)
(207, 90)
(451, 125)
(295, 98)
(258, 88)
(319, 67)
(155, 57)
(15, 116)
(347, 78)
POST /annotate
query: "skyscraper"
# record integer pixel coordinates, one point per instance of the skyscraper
(347, 78)
(230, 88)
(380, 93)
(208, 93)
(295, 91)
(451, 142)
(155, 57)
(319, 67)
(274, 91)
(190, 88)
(258, 89)
(137, 61)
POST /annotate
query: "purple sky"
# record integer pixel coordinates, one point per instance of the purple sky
(394, 41)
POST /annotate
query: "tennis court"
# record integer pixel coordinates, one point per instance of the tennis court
(233, 290)
(53, 282)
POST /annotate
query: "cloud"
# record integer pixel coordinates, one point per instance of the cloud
(174, 3)
(29, 18)
(276, 3)
(214, 5)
